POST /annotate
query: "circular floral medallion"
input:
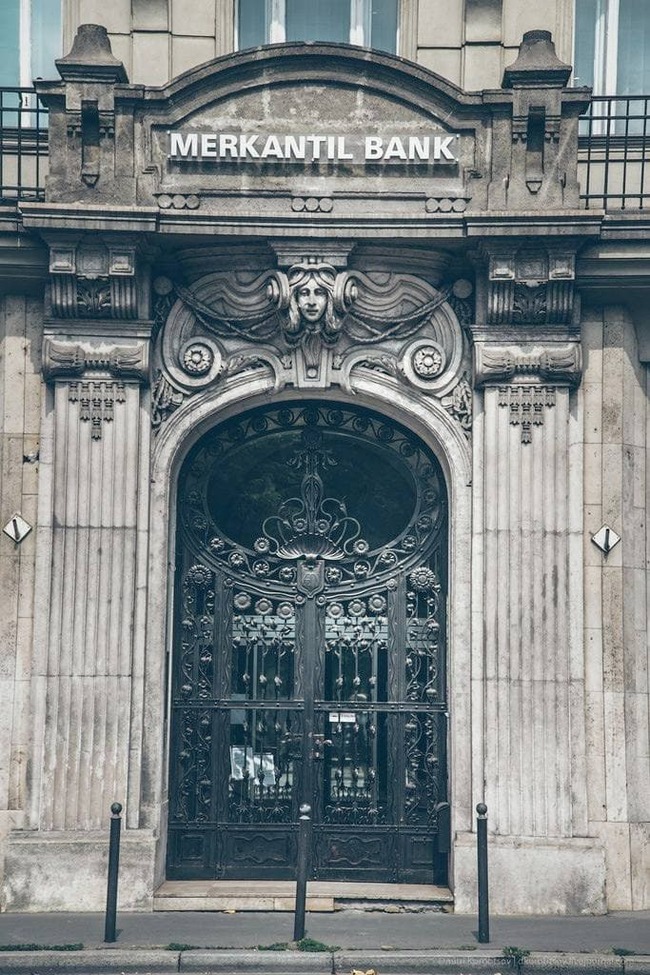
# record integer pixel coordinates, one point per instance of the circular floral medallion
(237, 560)
(423, 579)
(217, 544)
(261, 545)
(263, 606)
(335, 610)
(285, 611)
(287, 573)
(198, 359)
(242, 600)
(261, 568)
(333, 574)
(356, 607)
(427, 362)
(361, 546)
(361, 569)
(200, 576)
(388, 558)
(377, 603)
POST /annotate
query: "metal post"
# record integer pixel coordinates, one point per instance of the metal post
(113, 866)
(302, 871)
(482, 853)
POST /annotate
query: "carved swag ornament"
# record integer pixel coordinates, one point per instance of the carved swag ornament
(313, 325)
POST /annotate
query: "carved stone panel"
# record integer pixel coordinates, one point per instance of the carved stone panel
(312, 323)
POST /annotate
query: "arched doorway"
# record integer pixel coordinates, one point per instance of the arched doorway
(309, 649)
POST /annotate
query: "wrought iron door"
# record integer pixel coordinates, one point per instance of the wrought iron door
(309, 659)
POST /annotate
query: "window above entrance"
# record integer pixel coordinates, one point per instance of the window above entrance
(369, 23)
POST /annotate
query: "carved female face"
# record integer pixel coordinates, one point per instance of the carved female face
(311, 299)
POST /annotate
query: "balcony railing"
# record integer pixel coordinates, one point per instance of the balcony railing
(614, 155)
(613, 161)
(23, 145)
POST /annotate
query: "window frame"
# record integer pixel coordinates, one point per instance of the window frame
(360, 23)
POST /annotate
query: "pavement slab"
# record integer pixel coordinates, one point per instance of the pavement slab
(404, 943)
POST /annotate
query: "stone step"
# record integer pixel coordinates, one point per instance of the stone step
(322, 896)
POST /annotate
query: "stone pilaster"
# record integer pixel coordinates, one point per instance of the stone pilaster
(87, 671)
(532, 543)
(91, 572)
(528, 650)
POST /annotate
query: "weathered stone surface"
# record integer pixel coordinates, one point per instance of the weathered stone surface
(533, 876)
(51, 870)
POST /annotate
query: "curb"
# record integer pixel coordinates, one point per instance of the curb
(88, 961)
(142, 961)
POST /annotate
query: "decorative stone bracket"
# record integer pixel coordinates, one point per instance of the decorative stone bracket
(93, 280)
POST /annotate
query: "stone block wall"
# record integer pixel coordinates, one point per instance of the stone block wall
(617, 493)
(20, 416)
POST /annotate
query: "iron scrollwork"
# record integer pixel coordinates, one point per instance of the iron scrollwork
(334, 639)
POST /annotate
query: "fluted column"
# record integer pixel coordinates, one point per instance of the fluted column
(533, 681)
(88, 669)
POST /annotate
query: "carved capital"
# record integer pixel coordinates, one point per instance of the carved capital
(529, 284)
(95, 360)
(560, 364)
(93, 280)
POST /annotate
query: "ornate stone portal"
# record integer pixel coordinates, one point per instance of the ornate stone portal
(197, 293)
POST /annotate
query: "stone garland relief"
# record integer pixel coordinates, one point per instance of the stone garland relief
(314, 325)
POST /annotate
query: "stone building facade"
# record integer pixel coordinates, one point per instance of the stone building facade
(324, 400)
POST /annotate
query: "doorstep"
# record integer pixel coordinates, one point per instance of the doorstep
(322, 896)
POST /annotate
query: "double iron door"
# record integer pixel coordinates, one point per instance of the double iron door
(309, 660)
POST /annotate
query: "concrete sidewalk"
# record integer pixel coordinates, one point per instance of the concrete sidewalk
(424, 943)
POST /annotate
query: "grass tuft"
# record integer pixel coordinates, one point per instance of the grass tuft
(30, 946)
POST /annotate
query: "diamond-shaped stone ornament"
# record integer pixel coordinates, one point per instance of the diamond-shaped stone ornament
(605, 538)
(17, 528)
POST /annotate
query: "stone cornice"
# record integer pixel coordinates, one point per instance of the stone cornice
(411, 218)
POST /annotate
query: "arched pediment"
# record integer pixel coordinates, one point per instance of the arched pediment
(312, 129)
(297, 64)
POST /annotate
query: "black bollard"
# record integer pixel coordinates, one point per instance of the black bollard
(482, 853)
(302, 871)
(113, 866)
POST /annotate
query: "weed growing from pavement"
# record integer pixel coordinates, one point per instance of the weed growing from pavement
(515, 954)
(309, 944)
(305, 944)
